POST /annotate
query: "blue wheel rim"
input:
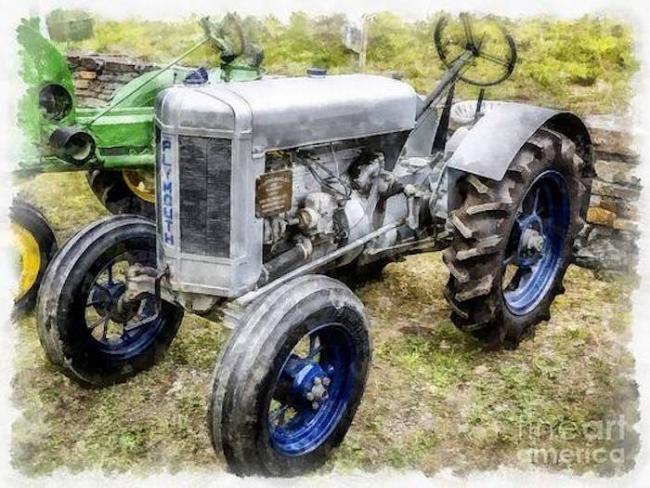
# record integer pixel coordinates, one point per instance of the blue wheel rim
(536, 243)
(295, 426)
(129, 335)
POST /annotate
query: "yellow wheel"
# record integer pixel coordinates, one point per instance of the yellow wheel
(141, 183)
(35, 245)
(30, 259)
(124, 191)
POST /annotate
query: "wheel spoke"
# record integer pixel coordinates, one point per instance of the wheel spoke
(97, 323)
(484, 36)
(453, 61)
(315, 347)
(467, 26)
(279, 415)
(103, 288)
(314, 352)
(141, 323)
(522, 273)
(105, 331)
(494, 59)
(110, 274)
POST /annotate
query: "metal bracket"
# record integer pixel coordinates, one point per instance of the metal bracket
(141, 280)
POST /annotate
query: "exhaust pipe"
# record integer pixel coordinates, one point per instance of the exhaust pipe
(73, 145)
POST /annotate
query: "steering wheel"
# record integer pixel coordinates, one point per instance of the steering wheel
(494, 54)
(227, 37)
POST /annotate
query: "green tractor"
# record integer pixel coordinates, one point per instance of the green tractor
(112, 144)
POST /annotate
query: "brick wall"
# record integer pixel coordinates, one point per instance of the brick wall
(609, 240)
(97, 77)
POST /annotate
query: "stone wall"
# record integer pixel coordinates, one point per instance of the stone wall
(609, 240)
(96, 77)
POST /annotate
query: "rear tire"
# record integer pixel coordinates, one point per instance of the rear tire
(80, 327)
(119, 193)
(499, 224)
(254, 370)
(36, 245)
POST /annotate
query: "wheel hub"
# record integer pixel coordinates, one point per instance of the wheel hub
(532, 241)
(105, 298)
(535, 246)
(318, 392)
(309, 381)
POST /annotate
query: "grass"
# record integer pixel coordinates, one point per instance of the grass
(582, 64)
(434, 398)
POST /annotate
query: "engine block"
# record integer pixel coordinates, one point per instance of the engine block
(258, 177)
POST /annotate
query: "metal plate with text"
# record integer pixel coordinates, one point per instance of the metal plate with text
(273, 193)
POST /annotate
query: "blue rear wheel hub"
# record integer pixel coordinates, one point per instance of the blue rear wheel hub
(536, 243)
(312, 390)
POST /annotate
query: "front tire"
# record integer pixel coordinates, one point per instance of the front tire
(290, 379)
(80, 325)
(36, 245)
(513, 240)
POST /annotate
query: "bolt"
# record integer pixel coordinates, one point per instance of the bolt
(326, 382)
(310, 396)
(317, 380)
(315, 405)
(330, 369)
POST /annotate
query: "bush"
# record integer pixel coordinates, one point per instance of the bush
(583, 64)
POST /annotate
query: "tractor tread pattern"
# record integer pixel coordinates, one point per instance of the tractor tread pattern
(483, 220)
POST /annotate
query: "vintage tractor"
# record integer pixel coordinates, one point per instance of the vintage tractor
(266, 187)
(112, 144)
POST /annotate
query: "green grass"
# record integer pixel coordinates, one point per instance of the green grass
(582, 64)
(434, 398)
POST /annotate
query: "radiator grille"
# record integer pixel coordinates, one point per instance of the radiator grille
(204, 186)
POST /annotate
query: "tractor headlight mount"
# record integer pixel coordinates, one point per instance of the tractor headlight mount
(54, 101)
(73, 145)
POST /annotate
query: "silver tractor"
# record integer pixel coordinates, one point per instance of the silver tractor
(268, 190)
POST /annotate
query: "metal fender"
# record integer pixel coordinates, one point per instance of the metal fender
(487, 148)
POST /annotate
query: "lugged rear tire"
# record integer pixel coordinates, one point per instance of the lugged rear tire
(112, 190)
(72, 289)
(487, 230)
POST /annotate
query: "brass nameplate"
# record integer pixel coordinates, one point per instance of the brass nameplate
(273, 193)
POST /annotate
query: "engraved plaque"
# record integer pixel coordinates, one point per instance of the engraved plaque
(273, 193)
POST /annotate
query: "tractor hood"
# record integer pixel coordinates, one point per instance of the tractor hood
(289, 112)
